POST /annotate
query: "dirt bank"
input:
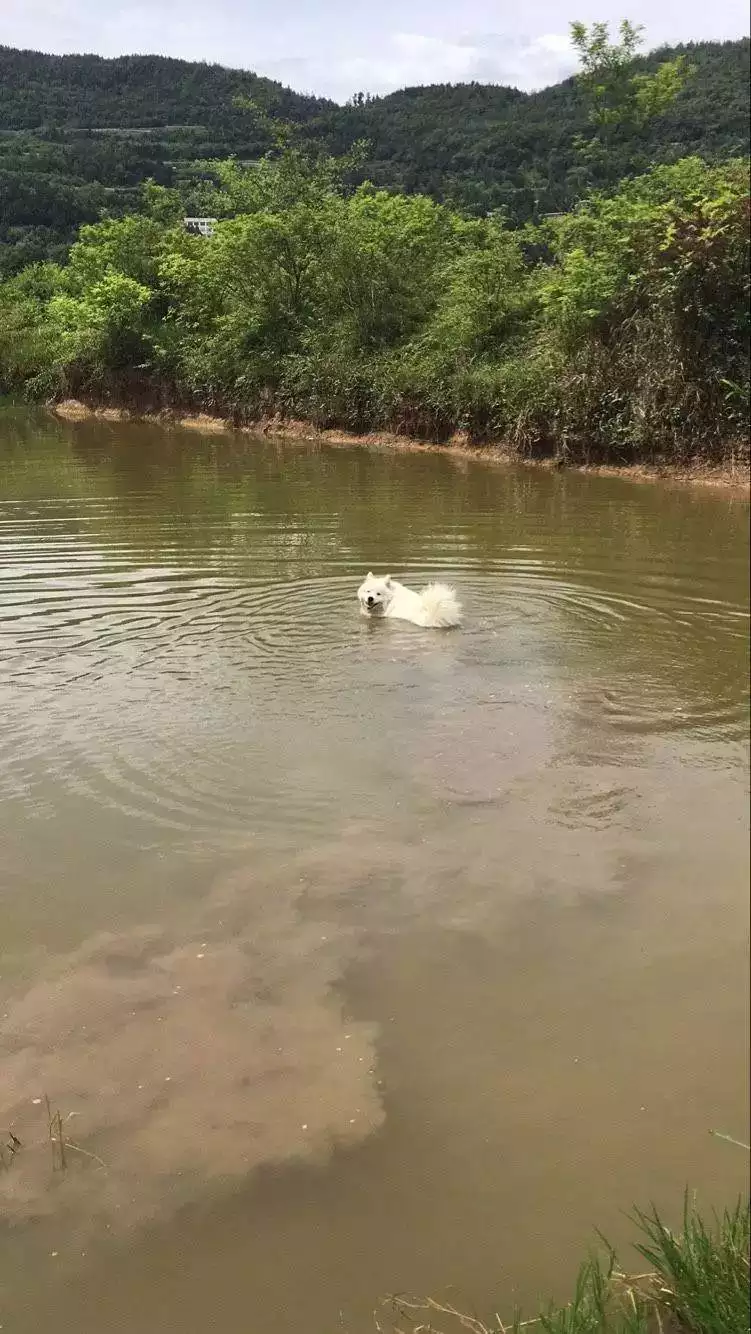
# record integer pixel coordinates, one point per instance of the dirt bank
(734, 475)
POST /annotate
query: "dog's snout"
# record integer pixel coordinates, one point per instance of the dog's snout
(371, 600)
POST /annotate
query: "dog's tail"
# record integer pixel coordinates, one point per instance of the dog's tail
(441, 606)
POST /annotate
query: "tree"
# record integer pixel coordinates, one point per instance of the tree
(647, 304)
(618, 97)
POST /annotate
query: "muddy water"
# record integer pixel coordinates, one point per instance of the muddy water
(356, 957)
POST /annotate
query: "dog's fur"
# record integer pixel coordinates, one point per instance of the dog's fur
(436, 606)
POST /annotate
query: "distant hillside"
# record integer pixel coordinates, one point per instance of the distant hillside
(488, 146)
(78, 134)
(90, 92)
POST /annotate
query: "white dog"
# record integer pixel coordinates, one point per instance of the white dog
(435, 606)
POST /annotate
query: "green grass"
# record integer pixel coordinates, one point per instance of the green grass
(701, 1276)
(697, 1283)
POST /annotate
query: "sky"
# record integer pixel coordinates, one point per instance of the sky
(335, 48)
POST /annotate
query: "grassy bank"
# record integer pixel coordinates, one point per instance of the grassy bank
(694, 1282)
(617, 334)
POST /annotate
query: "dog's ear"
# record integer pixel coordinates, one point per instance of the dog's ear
(388, 581)
(370, 575)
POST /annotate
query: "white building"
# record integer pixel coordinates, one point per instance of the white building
(201, 226)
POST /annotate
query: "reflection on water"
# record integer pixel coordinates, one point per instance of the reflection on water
(362, 950)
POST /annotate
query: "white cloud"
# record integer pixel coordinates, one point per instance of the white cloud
(337, 47)
(407, 59)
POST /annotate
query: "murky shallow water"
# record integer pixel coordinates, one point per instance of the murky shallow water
(358, 957)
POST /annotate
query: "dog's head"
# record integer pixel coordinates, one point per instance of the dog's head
(375, 594)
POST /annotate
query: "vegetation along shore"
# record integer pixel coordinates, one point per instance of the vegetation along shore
(695, 1281)
(732, 475)
(613, 333)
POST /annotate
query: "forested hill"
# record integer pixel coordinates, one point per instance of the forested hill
(129, 92)
(487, 146)
(78, 135)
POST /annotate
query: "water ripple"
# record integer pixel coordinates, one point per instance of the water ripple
(121, 649)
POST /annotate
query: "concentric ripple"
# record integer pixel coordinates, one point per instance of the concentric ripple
(188, 656)
(74, 606)
(661, 650)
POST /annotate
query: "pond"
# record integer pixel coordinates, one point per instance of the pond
(356, 957)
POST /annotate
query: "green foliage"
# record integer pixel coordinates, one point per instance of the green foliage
(80, 135)
(704, 1270)
(380, 279)
(281, 178)
(654, 93)
(89, 91)
(484, 148)
(615, 94)
(101, 329)
(618, 99)
(698, 1284)
(597, 1306)
(240, 304)
(648, 303)
(161, 204)
(25, 337)
(618, 331)
(485, 297)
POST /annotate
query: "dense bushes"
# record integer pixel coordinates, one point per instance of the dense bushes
(649, 305)
(617, 331)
